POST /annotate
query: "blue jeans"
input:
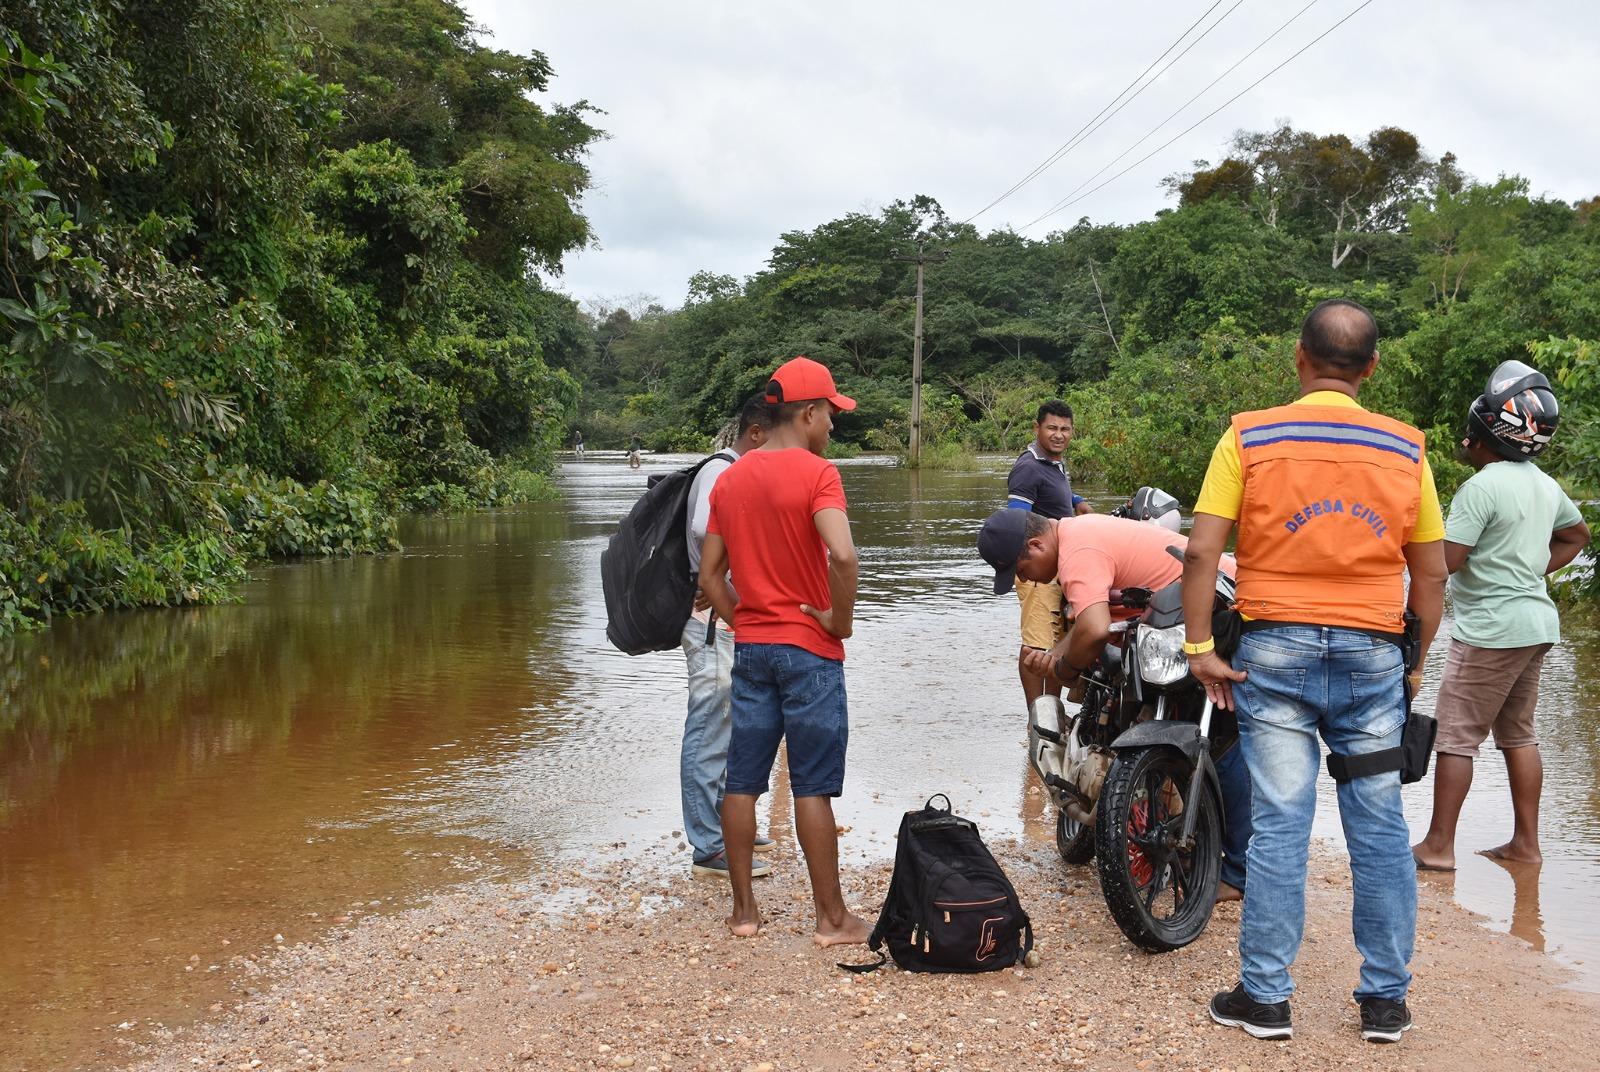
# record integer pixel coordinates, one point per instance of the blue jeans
(1347, 686)
(703, 764)
(1234, 778)
(782, 692)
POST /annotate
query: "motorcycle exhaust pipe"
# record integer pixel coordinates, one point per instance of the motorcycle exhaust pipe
(1078, 814)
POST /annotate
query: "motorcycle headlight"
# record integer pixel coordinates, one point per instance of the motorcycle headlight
(1161, 658)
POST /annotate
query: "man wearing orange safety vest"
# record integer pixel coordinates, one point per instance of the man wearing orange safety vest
(1334, 505)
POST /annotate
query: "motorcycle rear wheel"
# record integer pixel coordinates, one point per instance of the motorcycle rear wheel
(1160, 896)
(1074, 840)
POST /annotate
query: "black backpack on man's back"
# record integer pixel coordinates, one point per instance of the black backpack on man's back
(644, 570)
(949, 907)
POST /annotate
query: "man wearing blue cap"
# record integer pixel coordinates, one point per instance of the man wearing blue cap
(1089, 556)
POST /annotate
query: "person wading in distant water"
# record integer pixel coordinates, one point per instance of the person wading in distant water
(1039, 482)
(1509, 526)
(1334, 506)
(778, 523)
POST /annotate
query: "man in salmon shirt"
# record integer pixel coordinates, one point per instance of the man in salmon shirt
(1090, 555)
(778, 525)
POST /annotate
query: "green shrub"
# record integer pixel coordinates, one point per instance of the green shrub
(54, 561)
(944, 433)
(284, 518)
(517, 485)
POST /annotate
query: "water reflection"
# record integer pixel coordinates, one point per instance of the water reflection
(188, 784)
(1527, 922)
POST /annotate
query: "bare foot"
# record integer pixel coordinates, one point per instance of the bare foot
(853, 931)
(743, 926)
(1228, 892)
(1432, 861)
(1512, 853)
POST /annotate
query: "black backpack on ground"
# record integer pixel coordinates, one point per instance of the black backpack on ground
(644, 570)
(949, 907)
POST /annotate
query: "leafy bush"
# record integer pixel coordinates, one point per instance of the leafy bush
(516, 485)
(285, 519)
(55, 561)
(944, 433)
(249, 311)
(1157, 417)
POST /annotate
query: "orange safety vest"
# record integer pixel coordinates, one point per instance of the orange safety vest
(1331, 494)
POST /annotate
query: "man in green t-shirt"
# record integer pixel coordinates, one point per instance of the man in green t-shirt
(1509, 526)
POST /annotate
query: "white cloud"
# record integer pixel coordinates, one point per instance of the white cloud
(731, 123)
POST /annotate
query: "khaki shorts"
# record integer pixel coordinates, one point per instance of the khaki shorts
(1041, 613)
(1488, 690)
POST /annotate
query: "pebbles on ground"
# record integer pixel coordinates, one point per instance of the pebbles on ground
(494, 980)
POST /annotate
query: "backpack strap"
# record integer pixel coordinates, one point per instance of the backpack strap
(862, 969)
(875, 943)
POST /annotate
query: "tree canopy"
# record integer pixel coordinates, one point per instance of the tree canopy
(269, 278)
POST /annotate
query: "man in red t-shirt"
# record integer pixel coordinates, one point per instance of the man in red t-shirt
(778, 525)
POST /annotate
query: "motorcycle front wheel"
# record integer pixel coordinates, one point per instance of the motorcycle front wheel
(1161, 895)
(1074, 840)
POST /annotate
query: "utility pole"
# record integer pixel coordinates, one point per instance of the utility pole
(920, 259)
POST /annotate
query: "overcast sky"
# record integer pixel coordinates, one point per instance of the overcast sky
(732, 122)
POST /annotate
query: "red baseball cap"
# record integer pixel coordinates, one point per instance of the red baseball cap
(801, 379)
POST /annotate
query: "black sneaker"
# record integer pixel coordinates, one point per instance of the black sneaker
(1383, 1020)
(1238, 1009)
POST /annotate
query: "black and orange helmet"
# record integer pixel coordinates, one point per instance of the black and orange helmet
(1516, 414)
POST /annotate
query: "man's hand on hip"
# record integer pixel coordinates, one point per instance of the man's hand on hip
(841, 628)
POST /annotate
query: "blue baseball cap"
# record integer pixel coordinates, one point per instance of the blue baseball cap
(1000, 542)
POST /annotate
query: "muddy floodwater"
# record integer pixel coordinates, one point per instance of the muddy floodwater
(182, 790)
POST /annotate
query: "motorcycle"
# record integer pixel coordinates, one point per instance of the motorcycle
(1133, 772)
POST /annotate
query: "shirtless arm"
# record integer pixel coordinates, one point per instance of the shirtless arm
(1426, 564)
(1200, 560)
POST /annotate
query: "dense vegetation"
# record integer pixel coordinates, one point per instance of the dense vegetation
(1155, 332)
(268, 278)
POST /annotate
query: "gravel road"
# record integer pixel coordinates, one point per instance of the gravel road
(623, 967)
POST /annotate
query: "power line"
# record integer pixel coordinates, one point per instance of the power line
(1069, 203)
(1068, 144)
(1157, 76)
(1152, 131)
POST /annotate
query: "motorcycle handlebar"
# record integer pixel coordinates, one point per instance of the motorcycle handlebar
(1131, 598)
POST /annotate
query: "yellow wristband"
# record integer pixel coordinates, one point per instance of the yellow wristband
(1208, 644)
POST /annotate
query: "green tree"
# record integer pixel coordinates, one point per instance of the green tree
(415, 73)
(1465, 235)
(1186, 271)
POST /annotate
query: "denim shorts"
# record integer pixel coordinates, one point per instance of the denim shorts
(782, 691)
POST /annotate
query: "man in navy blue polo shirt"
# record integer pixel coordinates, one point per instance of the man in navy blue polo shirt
(1039, 482)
